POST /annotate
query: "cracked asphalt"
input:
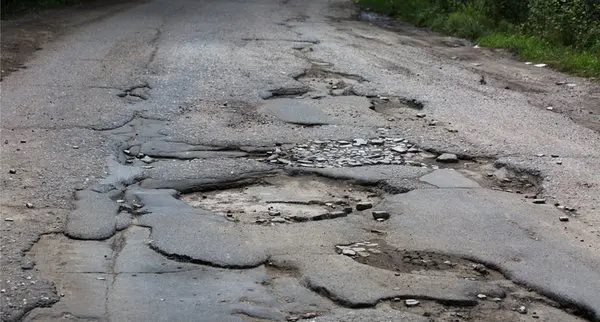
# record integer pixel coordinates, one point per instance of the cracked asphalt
(275, 160)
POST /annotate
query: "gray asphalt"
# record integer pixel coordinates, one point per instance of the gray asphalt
(204, 89)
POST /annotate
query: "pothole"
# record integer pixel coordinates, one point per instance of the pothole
(517, 304)
(522, 306)
(378, 253)
(283, 199)
(329, 82)
(393, 106)
(352, 153)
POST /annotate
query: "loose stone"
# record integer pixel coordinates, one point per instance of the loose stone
(29, 205)
(12, 171)
(481, 296)
(563, 218)
(363, 206)
(379, 214)
(539, 201)
(411, 302)
(447, 158)
(377, 141)
(278, 220)
(399, 149)
(348, 252)
(147, 159)
(522, 309)
(421, 115)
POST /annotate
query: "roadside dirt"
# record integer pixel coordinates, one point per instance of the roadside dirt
(24, 35)
(576, 97)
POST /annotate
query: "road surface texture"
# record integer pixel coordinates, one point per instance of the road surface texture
(292, 160)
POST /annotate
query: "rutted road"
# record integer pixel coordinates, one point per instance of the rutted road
(284, 160)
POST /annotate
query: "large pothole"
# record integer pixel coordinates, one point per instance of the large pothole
(281, 199)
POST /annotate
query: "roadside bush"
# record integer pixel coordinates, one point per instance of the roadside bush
(469, 21)
(568, 22)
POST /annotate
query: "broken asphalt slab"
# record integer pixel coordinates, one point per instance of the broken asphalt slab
(522, 240)
(94, 216)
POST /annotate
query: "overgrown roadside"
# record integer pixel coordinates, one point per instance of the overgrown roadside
(562, 34)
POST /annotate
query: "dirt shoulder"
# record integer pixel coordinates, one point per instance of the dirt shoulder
(24, 35)
(576, 97)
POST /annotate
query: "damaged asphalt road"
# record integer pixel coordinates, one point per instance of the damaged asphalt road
(284, 160)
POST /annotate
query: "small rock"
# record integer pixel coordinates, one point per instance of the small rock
(497, 299)
(27, 265)
(128, 152)
(309, 315)
(292, 318)
(274, 213)
(278, 220)
(481, 296)
(348, 252)
(522, 309)
(12, 171)
(540, 65)
(421, 115)
(399, 149)
(379, 214)
(363, 206)
(559, 162)
(563, 218)
(480, 269)
(359, 142)
(29, 205)
(411, 302)
(377, 141)
(147, 159)
(447, 158)
(75, 147)
(539, 201)
(550, 108)
(8, 219)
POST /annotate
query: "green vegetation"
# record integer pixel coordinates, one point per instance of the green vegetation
(564, 34)
(12, 7)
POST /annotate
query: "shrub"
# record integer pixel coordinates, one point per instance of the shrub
(568, 22)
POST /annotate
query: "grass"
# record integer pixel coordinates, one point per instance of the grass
(563, 58)
(470, 21)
